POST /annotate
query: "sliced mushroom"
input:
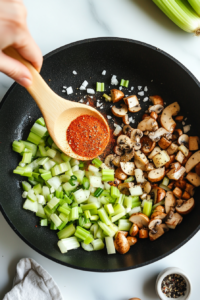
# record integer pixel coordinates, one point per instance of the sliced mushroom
(158, 215)
(164, 143)
(119, 174)
(124, 142)
(108, 161)
(145, 116)
(143, 196)
(132, 103)
(157, 100)
(139, 165)
(140, 220)
(125, 233)
(125, 119)
(179, 118)
(147, 145)
(159, 194)
(116, 182)
(186, 207)
(156, 175)
(161, 159)
(120, 112)
(132, 240)
(175, 220)
(190, 189)
(149, 167)
(154, 115)
(166, 119)
(136, 135)
(184, 150)
(156, 135)
(121, 243)
(159, 208)
(116, 95)
(192, 161)
(173, 148)
(117, 131)
(183, 140)
(176, 174)
(176, 134)
(172, 159)
(175, 165)
(118, 151)
(139, 176)
(193, 178)
(170, 201)
(124, 187)
(156, 108)
(128, 155)
(154, 222)
(181, 183)
(146, 187)
(185, 196)
(155, 151)
(116, 161)
(180, 157)
(141, 157)
(134, 230)
(148, 124)
(157, 232)
(143, 233)
(177, 192)
(197, 169)
(193, 143)
(127, 129)
(128, 167)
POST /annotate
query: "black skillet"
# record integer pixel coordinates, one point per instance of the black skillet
(143, 65)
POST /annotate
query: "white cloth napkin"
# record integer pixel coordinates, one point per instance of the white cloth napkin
(32, 282)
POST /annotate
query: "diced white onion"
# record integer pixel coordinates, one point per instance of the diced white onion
(145, 89)
(104, 72)
(82, 88)
(186, 128)
(74, 72)
(90, 91)
(69, 90)
(139, 87)
(85, 83)
(145, 99)
(109, 117)
(63, 91)
(141, 93)
(114, 80)
(120, 88)
(132, 88)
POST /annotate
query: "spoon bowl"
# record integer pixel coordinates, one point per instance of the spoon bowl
(58, 113)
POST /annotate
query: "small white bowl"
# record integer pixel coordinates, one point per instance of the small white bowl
(167, 272)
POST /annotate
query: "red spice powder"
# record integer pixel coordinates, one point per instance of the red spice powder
(87, 136)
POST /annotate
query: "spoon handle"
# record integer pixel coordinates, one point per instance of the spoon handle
(45, 98)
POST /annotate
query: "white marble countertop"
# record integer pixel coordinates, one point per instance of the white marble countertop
(56, 23)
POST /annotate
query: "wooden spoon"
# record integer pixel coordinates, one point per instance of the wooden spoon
(58, 113)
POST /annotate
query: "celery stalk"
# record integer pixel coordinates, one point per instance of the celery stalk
(196, 5)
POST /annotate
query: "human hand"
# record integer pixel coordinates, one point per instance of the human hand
(14, 32)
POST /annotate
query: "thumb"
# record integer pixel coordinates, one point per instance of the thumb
(15, 70)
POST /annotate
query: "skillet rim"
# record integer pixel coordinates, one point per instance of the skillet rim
(90, 40)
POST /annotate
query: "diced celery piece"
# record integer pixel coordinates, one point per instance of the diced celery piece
(37, 189)
(32, 147)
(109, 208)
(40, 212)
(147, 208)
(41, 199)
(74, 162)
(81, 233)
(51, 153)
(81, 195)
(46, 176)
(26, 186)
(107, 175)
(53, 226)
(56, 220)
(57, 158)
(136, 190)
(68, 244)
(31, 195)
(64, 217)
(118, 208)
(115, 193)
(95, 181)
(75, 168)
(26, 159)
(29, 205)
(110, 245)
(40, 121)
(88, 247)
(68, 231)
(38, 129)
(18, 146)
(33, 138)
(65, 157)
(124, 225)
(106, 229)
(44, 222)
(89, 206)
(49, 164)
(53, 202)
(103, 216)
(117, 217)
(80, 175)
(54, 182)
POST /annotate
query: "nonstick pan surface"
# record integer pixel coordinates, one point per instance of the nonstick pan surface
(143, 65)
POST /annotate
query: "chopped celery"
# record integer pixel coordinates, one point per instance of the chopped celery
(129, 179)
(29, 205)
(81, 233)
(109, 208)
(38, 130)
(98, 244)
(67, 244)
(86, 183)
(30, 146)
(118, 216)
(110, 245)
(124, 225)
(165, 181)
(103, 216)
(43, 222)
(33, 138)
(18, 146)
(26, 186)
(31, 195)
(40, 212)
(89, 206)
(115, 193)
(107, 175)
(147, 208)
(53, 202)
(56, 220)
(97, 162)
(68, 231)
(164, 187)
(106, 229)
(40, 121)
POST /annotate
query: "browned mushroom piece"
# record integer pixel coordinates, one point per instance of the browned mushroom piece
(143, 233)
(125, 233)
(158, 215)
(156, 135)
(132, 240)
(155, 151)
(156, 175)
(170, 201)
(128, 167)
(159, 194)
(160, 208)
(176, 134)
(116, 95)
(156, 100)
(164, 143)
(128, 155)
(197, 169)
(119, 174)
(145, 116)
(185, 195)
(127, 129)
(173, 148)
(186, 207)
(134, 230)
(118, 151)
(192, 161)
(121, 243)
(149, 167)
(172, 159)
(116, 161)
(124, 142)
(190, 189)
(158, 108)
(148, 124)
(177, 192)
(125, 119)
(173, 219)
(147, 145)
(175, 174)
(166, 119)
(141, 220)
(140, 160)
(181, 183)
(116, 182)
(154, 222)
(120, 112)
(193, 178)
(193, 143)
(108, 161)
(171, 185)
(179, 118)
(154, 115)
(132, 103)
(146, 186)
(157, 232)
(124, 188)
